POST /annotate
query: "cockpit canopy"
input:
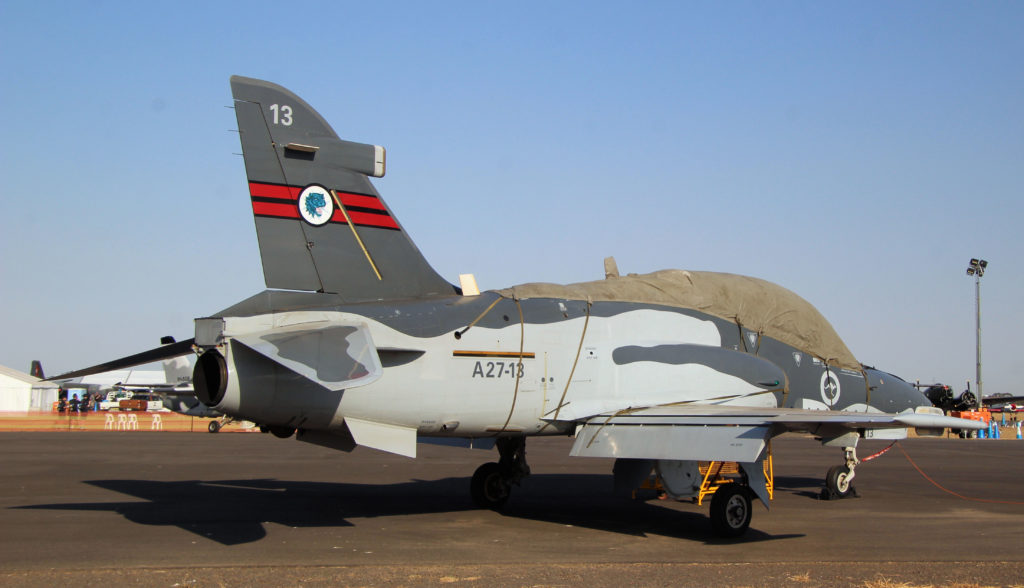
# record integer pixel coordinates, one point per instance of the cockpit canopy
(755, 304)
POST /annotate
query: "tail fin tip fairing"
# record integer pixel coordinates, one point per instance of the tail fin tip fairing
(321, 224)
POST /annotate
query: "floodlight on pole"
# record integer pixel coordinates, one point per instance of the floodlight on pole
(976, 268)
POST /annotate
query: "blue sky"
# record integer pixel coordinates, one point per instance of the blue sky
(857, 153)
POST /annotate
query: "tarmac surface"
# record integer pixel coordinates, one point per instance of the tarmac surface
(179, 509)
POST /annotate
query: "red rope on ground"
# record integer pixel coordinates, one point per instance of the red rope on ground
(960, 496)
(880, 453)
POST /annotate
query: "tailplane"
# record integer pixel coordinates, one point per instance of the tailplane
(321, 224)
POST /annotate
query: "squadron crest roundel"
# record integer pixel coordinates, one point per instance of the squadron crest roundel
(829, 388)
(315, 205)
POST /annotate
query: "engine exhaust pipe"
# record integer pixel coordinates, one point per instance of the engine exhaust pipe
(210, 377)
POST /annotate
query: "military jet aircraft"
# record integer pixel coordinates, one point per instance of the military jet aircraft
(359, 341)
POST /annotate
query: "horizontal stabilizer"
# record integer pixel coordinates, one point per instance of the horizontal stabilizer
(336, 356)
(158, 354)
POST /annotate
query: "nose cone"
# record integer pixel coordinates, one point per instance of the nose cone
(891, 394)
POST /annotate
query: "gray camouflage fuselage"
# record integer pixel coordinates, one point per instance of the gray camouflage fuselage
(432, 379)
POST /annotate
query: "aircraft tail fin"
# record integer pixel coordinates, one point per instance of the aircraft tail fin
(36, 371)
(321, 224)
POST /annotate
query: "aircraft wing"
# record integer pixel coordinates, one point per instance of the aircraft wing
(727, 433)
(997, 400)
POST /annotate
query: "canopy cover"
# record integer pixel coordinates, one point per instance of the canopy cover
(752, 303)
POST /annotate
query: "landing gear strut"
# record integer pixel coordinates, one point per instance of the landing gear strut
(492, 482)
(838, 481)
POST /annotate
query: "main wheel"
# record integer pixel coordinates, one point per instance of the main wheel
(213, 427)
(731, 510)
(838, 481)
(489, 487)
(282, 432)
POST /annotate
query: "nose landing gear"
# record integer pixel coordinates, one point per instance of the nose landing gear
(838, 481)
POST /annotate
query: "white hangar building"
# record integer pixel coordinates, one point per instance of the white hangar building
(20, 392)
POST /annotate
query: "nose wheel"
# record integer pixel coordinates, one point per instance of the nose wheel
(839, 480)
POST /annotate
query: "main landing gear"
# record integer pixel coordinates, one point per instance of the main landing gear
(492, 482)
(838, 481)
(731, 509)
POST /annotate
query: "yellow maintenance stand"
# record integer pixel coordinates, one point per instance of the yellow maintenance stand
(714, 474)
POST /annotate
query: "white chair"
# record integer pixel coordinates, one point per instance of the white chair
(122, 422)
(109, 423)
(157, 424)
(133, 422)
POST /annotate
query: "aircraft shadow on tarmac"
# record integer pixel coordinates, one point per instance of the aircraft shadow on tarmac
(233, 512)
(799, 486)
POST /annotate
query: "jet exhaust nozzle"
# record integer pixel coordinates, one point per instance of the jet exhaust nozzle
(210, 378)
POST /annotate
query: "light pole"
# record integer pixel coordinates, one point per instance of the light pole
(977, 269)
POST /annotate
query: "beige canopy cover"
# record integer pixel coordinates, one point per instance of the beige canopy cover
(755, 304)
